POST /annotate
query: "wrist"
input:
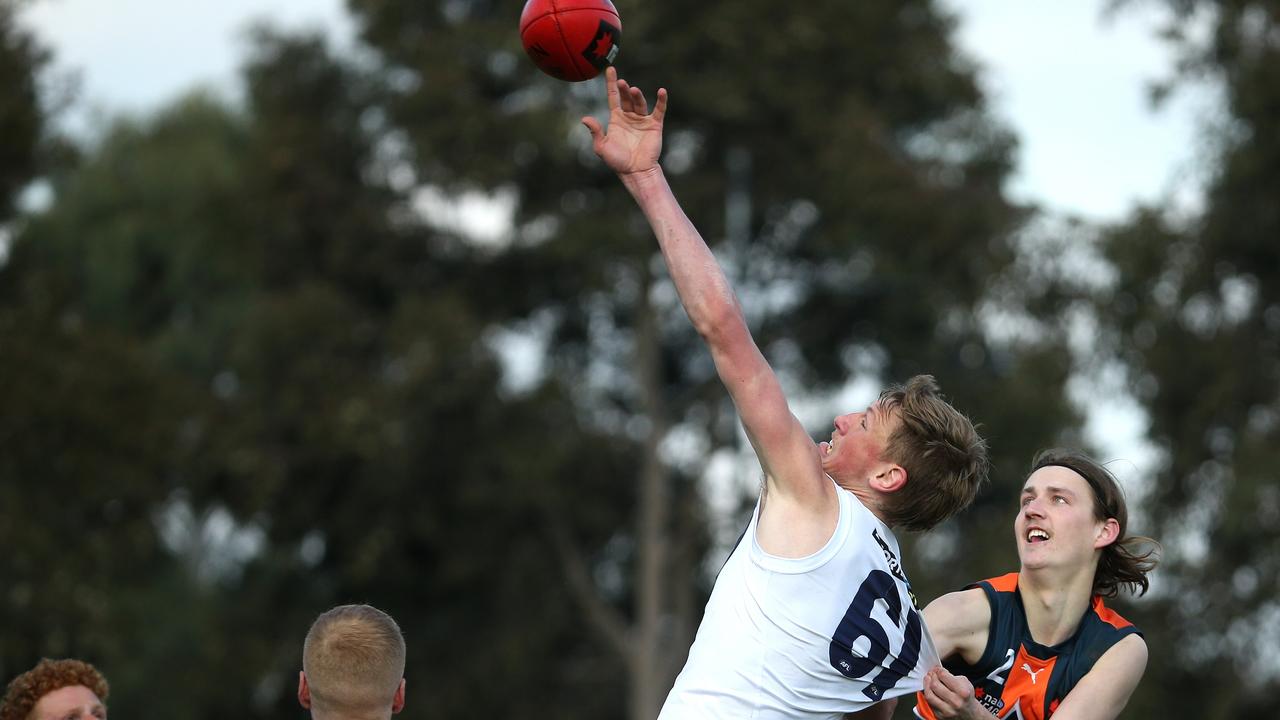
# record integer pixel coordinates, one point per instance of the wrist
(640, 182)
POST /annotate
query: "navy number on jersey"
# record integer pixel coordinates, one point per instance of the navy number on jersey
(858, 623)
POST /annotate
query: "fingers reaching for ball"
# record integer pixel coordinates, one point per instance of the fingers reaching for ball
(633, 141)
(632, 99)
(629, 99)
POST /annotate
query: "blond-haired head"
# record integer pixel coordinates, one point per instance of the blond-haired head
(944, 456)
(353, 664)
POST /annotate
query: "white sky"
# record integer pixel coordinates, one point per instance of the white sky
(1072, 84)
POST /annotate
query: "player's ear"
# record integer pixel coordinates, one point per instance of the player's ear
(304, 692)
(397, 702)
(1108, 532)
(890, 478)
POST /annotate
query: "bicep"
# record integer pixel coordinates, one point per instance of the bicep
(1104, 691)
(959, 623)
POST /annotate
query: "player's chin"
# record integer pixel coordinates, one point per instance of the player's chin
(1032, 557)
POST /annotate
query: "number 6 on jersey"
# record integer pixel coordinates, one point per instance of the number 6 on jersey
(858, 623)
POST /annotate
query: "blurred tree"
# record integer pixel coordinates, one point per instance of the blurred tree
(330, 420)
(105, 427)
(1195, 319)
(841, 162)
(87, 423)
(22, 117)
(296, 365)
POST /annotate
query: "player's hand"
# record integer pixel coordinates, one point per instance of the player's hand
(634, 140)
(951, 696)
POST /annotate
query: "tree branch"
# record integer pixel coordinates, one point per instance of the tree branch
(607, 621)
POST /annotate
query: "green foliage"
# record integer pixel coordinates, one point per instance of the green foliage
(22, 118)
(858, 143)
(1195, 317)
(239, 329)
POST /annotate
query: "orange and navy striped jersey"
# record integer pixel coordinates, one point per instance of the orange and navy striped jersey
(1017, 678)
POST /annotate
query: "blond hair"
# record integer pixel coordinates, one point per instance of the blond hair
(353, 658)
(945, 458)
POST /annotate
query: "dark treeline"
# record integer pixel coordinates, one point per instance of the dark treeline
(249, 369)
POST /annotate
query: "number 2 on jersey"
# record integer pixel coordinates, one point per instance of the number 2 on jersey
(858, 623)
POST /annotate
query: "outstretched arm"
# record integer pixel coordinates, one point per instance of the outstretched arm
(631, 147)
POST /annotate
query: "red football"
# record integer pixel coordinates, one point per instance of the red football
(571, 40)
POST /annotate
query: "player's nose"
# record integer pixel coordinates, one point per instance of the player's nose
(1033, 509)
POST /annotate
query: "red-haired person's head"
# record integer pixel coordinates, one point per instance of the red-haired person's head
(56, 690)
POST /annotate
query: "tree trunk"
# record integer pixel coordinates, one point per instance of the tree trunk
(649, 679)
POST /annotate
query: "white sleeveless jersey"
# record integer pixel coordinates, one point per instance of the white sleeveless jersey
(813, 637)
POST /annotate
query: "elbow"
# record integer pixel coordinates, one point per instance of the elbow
(719, 322)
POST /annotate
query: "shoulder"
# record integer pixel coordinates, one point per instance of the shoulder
(1007, 583)
(959, 608)
(1109, 619)
(792, 526)
(1123, 663)
(959, 623)
(1105, 689)
(1131, 650)
(1103, 630)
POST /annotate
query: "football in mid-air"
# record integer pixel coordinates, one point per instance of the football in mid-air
(571, 40)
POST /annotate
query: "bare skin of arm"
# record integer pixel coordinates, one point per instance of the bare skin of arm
(1105, 690)
(802, 507)
(959, 623)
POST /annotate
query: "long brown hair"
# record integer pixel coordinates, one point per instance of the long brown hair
(1126, 561)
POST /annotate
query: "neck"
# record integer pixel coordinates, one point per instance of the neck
(318, 714)
(1055, 602)
(869, 498)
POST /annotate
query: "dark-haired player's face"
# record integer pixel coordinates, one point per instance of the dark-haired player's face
(75, 702)
(1055, 524)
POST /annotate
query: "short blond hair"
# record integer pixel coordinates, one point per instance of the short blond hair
(941, 450)
(353, 658)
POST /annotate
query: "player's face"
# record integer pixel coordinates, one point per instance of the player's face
(76, 702)
(857, 444)
(1055, 524)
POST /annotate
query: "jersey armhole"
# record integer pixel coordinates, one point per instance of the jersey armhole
(989, 659)
(850, 514)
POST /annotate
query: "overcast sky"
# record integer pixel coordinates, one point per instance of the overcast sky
(1072, 84)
